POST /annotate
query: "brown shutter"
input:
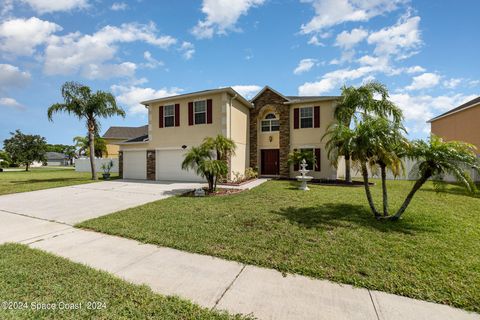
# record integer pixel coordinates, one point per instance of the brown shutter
(296, 118)
(316, 117)
(209, 110)
(160, 117)
(318, 162)
(295, 165)
(190, 113)
(177, 115)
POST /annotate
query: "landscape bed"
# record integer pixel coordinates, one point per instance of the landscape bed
(33, 281)
(431, 254)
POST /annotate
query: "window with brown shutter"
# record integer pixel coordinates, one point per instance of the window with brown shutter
(318, 160)
(296, 118)
(160, 117)
(190, 113)
(177, 115)
(316, 117)
(209, 111)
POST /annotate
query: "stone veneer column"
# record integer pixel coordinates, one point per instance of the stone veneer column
(120, 164)
(271, 100)
(151, 163)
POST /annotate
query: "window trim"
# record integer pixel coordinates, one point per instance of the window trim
(312, 117)
(164, 116)
(269, 123)
(195, 112)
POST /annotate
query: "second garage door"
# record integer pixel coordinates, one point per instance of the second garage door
(135, 165)
(169, 167)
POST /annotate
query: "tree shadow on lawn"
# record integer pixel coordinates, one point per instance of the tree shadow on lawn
(333, 215)
(44, 180)
(453, 189)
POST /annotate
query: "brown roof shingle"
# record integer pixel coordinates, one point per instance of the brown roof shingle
(125, 133)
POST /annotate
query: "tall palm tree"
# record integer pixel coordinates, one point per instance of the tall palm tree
(437, 158)
(80, 101)
(83, 146)
(369, 99)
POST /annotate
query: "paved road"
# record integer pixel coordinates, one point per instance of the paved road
(210, 282)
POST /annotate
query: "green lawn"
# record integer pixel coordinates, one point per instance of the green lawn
(433, 253)
(40, 178)
(33, 278)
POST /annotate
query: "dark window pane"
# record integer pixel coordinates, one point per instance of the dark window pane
(200, 118)
(306, 123)
(169, 121)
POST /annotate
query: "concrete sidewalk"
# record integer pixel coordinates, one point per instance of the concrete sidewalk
(217, 283)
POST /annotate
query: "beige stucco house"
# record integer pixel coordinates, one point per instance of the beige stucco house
(265, 129)
(461, 123)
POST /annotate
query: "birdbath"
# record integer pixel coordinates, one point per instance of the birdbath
(303, 178)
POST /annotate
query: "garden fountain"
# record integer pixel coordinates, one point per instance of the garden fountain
(303, 178)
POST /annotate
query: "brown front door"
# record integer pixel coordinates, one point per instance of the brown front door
(270, 164)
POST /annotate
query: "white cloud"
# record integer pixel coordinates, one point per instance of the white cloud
(329, 13)
(305, 65)
(151, 63)
(424, 81)
(11, 76)
(247, 91)
(22, 36)
(119, 6)
(314, 41)
(452, 83)
(45, 6)
(131, 96)
(401, 40)
(11, 103)
(415, 69)
(348, 40)
(187, 49)
(418, 109)
(75, 52)
(6, 8)
(222, 16)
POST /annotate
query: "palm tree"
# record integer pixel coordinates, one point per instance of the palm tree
(209, 160)
(83, 146)
(85, 105)
(340, 138)
(437, 158)
(356, 103)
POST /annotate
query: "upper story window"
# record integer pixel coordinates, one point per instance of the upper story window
(169, 116)
(270, 123)
(306, 117)
(200, 111)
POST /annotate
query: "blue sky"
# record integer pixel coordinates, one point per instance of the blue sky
(426, 52)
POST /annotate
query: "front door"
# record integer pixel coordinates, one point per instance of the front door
(270, 164)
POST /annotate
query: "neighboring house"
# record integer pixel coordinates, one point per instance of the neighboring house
(461, 123)
(56, 159)
(265, 130)
(116, 135)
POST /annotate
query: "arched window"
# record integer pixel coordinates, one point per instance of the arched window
(270, 123)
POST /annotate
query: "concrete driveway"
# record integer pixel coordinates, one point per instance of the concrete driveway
(74, 204)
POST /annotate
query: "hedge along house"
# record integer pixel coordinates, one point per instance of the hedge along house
(265, 130)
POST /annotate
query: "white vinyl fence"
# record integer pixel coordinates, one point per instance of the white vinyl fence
(83, 164)
(409, 164)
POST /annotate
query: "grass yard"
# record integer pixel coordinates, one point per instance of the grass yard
(433, 253)
(32, 276)
(40, 178)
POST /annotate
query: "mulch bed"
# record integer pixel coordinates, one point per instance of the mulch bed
(236, 184)
(218, 193)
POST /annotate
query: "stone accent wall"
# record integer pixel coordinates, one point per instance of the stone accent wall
(151, 164)
(270, 99)
(120, 164)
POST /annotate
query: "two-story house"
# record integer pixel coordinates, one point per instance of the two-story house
(265, 129)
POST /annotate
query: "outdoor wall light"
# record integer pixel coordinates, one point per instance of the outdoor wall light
(270, 138)
(184, 147)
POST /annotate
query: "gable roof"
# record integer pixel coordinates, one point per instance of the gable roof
(125, 133)
(469, 104)
(294, 99)
(229, 90)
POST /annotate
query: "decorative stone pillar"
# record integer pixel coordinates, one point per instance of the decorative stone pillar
(120, 164)
(151, 163)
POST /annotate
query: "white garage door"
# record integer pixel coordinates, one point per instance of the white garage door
(169, 167)
(135, 165)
